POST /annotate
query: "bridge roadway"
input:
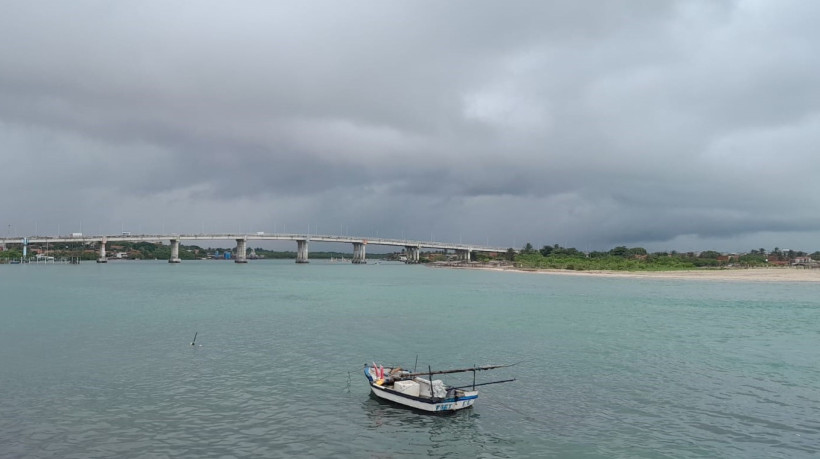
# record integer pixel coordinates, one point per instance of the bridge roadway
(412, 248)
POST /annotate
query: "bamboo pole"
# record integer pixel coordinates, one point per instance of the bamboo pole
(461, 370)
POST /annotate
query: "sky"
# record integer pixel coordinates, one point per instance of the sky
(670, 125)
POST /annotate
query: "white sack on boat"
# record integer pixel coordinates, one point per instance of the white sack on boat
(407, 387)
(439, 390)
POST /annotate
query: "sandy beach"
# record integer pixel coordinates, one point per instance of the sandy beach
(742, 275)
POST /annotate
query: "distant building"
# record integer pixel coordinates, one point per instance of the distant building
(774, 260)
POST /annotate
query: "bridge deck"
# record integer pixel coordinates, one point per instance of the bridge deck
(252, 237)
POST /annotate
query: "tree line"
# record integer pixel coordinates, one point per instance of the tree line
(624, 258)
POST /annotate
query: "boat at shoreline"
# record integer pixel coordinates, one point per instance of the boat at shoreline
(412, 390)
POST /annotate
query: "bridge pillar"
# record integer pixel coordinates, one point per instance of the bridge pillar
(174, 252)
(241, 251)
(102, 258)
(463, 254)
(359, 253)
(412, 253)
(302, 251)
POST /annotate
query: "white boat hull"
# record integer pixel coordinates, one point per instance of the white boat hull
(445, 405)
(463, 399)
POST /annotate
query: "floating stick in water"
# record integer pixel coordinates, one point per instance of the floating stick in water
(194, 341)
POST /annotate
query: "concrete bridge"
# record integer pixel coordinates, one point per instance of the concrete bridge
(412, 248)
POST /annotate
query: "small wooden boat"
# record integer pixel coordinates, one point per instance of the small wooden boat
(426, 394)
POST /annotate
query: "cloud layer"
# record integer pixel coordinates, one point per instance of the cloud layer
(683, 125)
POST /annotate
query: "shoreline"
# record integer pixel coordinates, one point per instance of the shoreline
(730, 274)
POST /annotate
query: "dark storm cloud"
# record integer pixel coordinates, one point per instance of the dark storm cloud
(587, 123)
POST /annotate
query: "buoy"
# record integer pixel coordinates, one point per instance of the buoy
(193, 343)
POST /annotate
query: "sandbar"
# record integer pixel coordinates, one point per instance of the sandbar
(779, 274)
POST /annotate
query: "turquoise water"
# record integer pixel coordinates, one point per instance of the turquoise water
(96, 361)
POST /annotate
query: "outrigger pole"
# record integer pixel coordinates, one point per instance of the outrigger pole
(461, 370)
(484, 384)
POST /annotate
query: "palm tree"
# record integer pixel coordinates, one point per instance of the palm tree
(510, 254)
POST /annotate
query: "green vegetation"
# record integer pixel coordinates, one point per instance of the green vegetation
(638, 259)
(10, 254)
(156, 251)
(314, 255)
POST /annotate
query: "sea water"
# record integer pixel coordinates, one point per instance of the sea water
(96, 361)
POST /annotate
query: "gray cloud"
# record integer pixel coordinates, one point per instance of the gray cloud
(582, 123)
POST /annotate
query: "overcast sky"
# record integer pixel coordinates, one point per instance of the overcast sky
(671, 125)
